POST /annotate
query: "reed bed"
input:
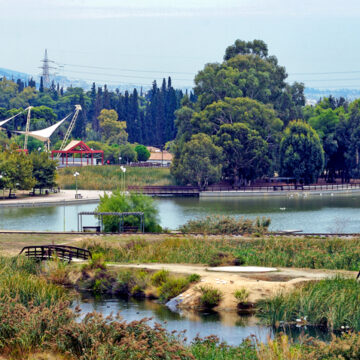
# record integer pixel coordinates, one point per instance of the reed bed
(110, 177)
(331, 303)
(315, 253)
(34, 327)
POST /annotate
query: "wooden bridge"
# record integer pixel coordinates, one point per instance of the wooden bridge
(166, 190)
(62, 252)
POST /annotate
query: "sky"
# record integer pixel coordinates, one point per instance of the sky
(137, 41)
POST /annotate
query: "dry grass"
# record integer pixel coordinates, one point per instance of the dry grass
(109, 177)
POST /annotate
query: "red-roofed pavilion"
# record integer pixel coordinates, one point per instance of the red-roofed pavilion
(67, 155)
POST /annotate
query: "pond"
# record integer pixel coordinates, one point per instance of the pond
(228, 326)
(318, 214)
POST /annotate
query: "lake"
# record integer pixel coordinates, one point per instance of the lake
(318, 214)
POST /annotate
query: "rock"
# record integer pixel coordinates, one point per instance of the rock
(173, 304)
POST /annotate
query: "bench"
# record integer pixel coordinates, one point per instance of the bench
(131, 229)
(78, 196)
(91, 228)
(12, 196)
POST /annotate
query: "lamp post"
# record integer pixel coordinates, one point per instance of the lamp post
(76, 174)
(1, 176)
(123, 169)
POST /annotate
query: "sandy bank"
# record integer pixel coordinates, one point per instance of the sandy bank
(259, 285)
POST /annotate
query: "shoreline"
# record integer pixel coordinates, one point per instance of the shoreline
(67, 197)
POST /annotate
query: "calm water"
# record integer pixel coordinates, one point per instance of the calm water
(228, 326)
(339, 213)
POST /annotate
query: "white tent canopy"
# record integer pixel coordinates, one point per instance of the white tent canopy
(44, 134)
(3, 122)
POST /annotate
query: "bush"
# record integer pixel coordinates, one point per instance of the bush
(193, 278)
(172, 288)
(119, 202)
(160, 277)
(241, 295)
(210, 297)
(226, 225)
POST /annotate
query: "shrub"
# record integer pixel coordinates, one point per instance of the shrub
(241, 295)
(210, 297)
(226, 225)
(193, 278)
(160, 277)
(172, 287)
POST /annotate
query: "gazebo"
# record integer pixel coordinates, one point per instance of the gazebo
(101, 215)
(78, 147)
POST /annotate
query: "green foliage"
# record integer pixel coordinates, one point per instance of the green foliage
(241, 295)
(44, 170)
(17, 171)
(210, 297)
(193, 278)
(310, 252)
(245, 153)
(172, 287)
(143, 153)
(301, 153)
(200, 163)
(160, 277)
(225, 225)
(120, 202)
(333, 303)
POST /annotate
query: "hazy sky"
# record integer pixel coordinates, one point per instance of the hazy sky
(135, 41)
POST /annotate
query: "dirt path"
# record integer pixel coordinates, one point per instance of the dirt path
(259, 286)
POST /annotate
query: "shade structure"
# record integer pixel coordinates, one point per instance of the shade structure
(3, 122)
(44, 134)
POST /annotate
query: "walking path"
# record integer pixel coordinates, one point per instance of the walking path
(64, 196)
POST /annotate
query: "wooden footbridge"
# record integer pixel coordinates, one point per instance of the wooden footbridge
(49, 252)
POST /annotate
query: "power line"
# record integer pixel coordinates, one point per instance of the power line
(120, 75)
(127, 70)
(327, 73)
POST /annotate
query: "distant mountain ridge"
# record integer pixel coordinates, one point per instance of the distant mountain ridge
(312, 94)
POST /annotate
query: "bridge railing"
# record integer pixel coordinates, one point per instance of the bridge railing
(63, 252)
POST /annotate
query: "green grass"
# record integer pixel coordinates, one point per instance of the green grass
(315, 253)
(109, 177)
(333, 303)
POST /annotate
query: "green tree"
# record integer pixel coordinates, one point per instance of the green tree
(200, 163)
(44, 171)
(110, 126)
(245, 153)
(143, 153)
(128, 154)
(17, 170)
(301, 153)
(120, 202)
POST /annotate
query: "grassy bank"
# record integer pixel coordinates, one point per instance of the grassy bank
(36, 323)
(331, 303)
(315, 253)
(109, 177)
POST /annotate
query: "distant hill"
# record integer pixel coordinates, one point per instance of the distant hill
(12, 74)
(313, 94)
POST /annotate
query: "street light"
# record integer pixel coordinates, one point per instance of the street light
(76, 174)
(123, 169)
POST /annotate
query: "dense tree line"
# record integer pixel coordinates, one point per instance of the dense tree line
(147, 118)
(254, 124)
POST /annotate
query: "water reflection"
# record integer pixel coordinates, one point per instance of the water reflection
(228, 326)
(315, 213)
